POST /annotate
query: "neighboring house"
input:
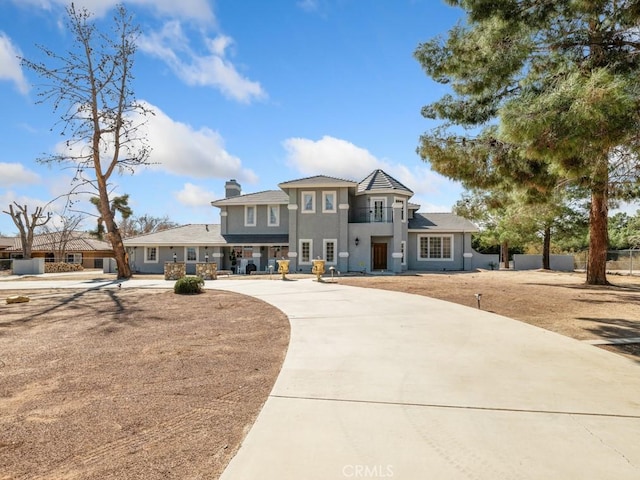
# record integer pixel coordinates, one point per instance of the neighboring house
(80, 248)
(5, 242)
(367, 226)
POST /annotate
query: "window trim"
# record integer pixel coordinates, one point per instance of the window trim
(186, 257)
(313, 202)
(324, 201)
(310, 242)
(276, 208)
(75, 255)
(372, 208)
(326, 241)
(440, 259)
(403, 214)
(146, 254)
(246, 217)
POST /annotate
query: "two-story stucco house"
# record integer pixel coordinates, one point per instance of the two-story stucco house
(366, 226)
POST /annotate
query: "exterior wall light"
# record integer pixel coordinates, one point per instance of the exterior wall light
(357, 241)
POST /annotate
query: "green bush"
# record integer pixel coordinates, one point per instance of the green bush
(188, 285)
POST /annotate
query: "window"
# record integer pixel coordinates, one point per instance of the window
(329, 202)
(329, 250)
(403, 211)
(378, 210)
(308, 202)
(191, 254)
(435, 247)
(274, 215)
(151, 255)
(74, 258)
(305, 251)
(403, 250)
(249, 215)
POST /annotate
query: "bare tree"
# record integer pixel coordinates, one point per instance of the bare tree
(59, 235)
(143, 224)
(90, 86)
(27, 224)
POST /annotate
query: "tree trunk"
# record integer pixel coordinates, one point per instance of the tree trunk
(546, 248)
(598, 226)
(505, 254)
(113, 233)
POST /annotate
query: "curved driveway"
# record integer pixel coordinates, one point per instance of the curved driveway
(381, 384)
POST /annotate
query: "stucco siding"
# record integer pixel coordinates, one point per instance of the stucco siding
(456, 263)
(236, 220)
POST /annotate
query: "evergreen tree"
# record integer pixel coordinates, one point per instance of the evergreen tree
(545, 93)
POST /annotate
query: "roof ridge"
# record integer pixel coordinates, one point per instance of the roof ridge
(318, 176)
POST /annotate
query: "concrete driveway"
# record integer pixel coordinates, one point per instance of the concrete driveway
(383, 384)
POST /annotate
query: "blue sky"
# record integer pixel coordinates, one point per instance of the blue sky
(260, 91)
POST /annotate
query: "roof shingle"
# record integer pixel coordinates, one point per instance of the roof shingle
(380, 180)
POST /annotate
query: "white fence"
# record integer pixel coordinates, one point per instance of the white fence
(562, 263)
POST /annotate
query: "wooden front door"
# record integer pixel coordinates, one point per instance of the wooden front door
(379, 256)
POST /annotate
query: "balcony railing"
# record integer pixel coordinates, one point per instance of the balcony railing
(372, 215)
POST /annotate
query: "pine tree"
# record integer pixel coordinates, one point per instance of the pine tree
(545, 93)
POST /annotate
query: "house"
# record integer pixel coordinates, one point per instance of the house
(366, 226)
(80, 247)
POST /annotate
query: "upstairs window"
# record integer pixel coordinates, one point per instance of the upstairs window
(308, 202)
(328, 202)
(249, 216)
(273, 211)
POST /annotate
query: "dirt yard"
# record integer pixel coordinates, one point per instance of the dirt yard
(560, 302)
(145, 384)
(133, 384)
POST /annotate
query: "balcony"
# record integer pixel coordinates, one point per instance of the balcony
(372, 215)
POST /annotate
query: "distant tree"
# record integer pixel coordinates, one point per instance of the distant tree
(495, 214)
(59, 233)
(143, 224)
(27, 224)
(91, 87)
(512, 219)
(540, 87)
(624, 231)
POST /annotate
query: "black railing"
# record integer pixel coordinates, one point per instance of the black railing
(372, 215)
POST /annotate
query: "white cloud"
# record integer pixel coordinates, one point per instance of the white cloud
(212, 69)
(180, 149)
(191, 9)
(194, 196)
(340, 158)
(329, 156)
(10, 64)
(14, 174)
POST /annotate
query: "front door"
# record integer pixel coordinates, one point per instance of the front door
(379, 256)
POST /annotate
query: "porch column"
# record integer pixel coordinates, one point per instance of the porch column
(396, 254)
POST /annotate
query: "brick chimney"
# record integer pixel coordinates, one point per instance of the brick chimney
(232, 189)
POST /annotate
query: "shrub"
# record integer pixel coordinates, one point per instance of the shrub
(188, 285)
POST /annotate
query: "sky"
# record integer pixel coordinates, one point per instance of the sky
(259, 91)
